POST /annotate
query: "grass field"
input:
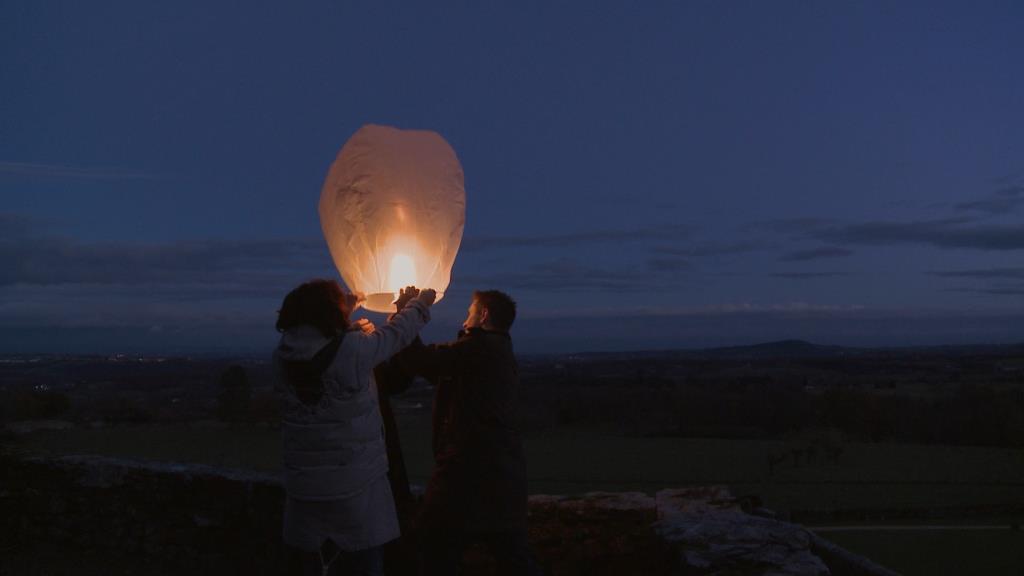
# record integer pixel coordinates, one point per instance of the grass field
(565, 461)
(573, 460)
(982, 552)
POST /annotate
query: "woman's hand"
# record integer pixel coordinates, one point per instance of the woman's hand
(364, 326)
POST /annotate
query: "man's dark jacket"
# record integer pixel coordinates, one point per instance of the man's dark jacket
(479, 478)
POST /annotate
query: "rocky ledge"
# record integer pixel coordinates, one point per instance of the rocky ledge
(97, 515)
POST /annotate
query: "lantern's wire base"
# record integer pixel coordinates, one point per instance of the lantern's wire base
(380, 302)
(384, 302)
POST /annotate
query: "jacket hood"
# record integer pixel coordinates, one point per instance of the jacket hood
(300, 343)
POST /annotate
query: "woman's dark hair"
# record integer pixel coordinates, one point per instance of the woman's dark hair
(501, 308)
(318, 303)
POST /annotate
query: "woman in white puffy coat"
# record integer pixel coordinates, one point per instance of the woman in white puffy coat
(339, 510)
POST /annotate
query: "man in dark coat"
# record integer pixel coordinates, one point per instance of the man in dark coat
(477, 492)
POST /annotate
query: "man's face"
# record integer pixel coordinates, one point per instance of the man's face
(476, 318)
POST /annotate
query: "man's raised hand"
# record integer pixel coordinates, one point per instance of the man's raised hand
(404, 296)
(427, 296)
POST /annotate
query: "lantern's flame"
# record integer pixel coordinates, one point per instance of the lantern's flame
(402, 273)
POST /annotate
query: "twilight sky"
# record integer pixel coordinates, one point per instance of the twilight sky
(639, 175)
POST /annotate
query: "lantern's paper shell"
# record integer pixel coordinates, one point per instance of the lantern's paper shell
(392, 210)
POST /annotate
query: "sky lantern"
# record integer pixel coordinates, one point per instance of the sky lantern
(392, 210)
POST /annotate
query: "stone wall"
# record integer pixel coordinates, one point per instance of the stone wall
(95, 515)
(132, 517)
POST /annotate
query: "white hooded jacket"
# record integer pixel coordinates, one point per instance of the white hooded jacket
(335, 448)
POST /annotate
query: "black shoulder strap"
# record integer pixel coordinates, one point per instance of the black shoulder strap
(304, 376)
(322, 359)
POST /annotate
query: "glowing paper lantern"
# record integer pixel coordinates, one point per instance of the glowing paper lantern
(392, 210)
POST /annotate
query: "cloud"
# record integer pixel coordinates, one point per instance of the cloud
(667, 264)
(777, 308)
(958, 232)
(997, 274)
(567, 275)
(726, 309)
(42, 260)
(949, 233)
(985, 273)
(816, 254)
(54, 281)
(54, 261)
(1012, 290)
(662, 232)
(709, 249)
(70, 172)
(119, 305)
(1003, 201)
(807, 275)
(14, 226)
(966, 228)
(791, 226)
(1004, 290)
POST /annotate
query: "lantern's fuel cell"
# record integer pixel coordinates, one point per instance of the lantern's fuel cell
(392, 209)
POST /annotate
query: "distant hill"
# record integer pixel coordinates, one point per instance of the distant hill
(780, 349)
(795, 349)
